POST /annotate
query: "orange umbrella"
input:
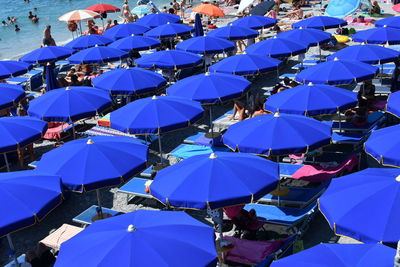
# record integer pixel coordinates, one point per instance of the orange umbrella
(210, 10)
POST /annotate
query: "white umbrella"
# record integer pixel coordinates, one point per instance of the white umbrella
(79, 15)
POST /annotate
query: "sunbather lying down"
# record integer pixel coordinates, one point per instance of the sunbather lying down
(254, 106)
(333, 44)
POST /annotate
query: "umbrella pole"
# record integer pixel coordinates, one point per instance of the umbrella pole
(279, 183)
(340, 121)
(73, 131)
(98, 197)
(380, 76)
(6, 160)
(10, 243)
(211, 127)
(160, 149)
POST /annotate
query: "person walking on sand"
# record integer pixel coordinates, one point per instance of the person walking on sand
(47, 39)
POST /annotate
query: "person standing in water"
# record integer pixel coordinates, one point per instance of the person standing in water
(47, 39)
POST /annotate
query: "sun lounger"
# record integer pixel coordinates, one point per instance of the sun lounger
(288, 75)
(85, 218)
(148, 173)
(286, 170)
(383, 90)
(184, 151)
(223, 122)
(20, 259)
(375, 118)
(35, 80)
(201, 139)
(351, 138)
(19, 80)
(134, 188)
(62, 234)
(58, 131)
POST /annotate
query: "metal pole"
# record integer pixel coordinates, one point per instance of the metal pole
(98, 197)
(211, 126)
(159, 147)
(10, 243)
(279, 183)
(340, 121)
(6, 160)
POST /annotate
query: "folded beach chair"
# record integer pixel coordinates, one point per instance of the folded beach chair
(201, 139)
(184, 151)
(134, 188)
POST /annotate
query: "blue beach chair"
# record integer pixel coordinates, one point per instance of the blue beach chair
(134, 188)
(184, 151)
(85, 218)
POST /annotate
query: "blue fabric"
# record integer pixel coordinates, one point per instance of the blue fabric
(277, 47)
(154, 20)
(17, 132)
(141, 10)
(198, 26)
(97, 54)
(10, 68)
(26, 197)
(135, 43)
(132, 81)
(233, 33)
(341, 255)
(341, 9)
(312, 100)
(255, 22)
(124, 30)
(156, 115)
(393, 104)
(277, 135)
(382, 35)
(392, 22)
(87, 41)
(246, 65)
(185, 151)
(135, 186)
(95, 162)
(86, 216)
(364, 205)
(51, 79)
(288, 169)
(206, 45)
(210, 88)
(319, 22)
(158, 238)
(200, 181)
(311, 37)
(10, 95)
(169, 30)
(170, 59)
(371, 54)
(69, 104)
(337, 72)
(47, 54)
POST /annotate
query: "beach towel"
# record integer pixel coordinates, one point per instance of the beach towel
(55, 129)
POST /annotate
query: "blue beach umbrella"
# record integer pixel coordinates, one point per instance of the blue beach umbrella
(92, 163)
(10, 95)
(246, 65)
(392, 22)
(277, 134)
(277, 48)
(232, 33)
(51, 78)
(320, 23)
(199, 182)
(206, 45)
(47, 54)
(10, 68)
(311, 37)
(141, 10)
(124, 30)
(69, 104)
(393, 104)
(135, 43)
(132, 81)
(382, 35)
(142, 238)
(198, 26)
(337, 72)
(254, 22)
(87, 41)
(341, 9)
(371, 54)
(364, 205)
(169, 30)
(154, 20)
(97, 55)
(312, 100)
(170, 59)
(340, 255)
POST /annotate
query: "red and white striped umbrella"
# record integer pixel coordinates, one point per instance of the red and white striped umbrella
(79, 15)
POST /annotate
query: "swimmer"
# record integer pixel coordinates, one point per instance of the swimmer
(35, 19)
(4, 23)
(30, 16)
(17, 29)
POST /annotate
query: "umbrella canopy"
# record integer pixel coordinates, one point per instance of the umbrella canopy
(10, 95)
(277, 134)
(198, 26)
(337, 72)
(392, 22)
(206, 45)
(157, 19)
(104, 8)
(341, 9)
(381, 35)
(371, 54)
(97, 55)
(169, 30)
(340, 255)
(26, 198)
(135, 43)
(277, 48)
(162, 113)
(18, 132)
(51, 78)
(124, 30)
(69, 104)
(262, 8)
(47, 54)
(141, 10)
(312, 100)
(10, 68)
(383, 145)
(86, 41)
(255, 22)
(132, 81)
(210, 88)
(170, 59)
(319, 22)
(199, 182)
(246, 65)
(232, 33)
(142, 238)
(93, 163)
(370, 195)
(79, 15)
(311, 37)
(393, 104)
(209, 10)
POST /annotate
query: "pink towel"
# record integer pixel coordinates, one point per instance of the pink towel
(54, 130)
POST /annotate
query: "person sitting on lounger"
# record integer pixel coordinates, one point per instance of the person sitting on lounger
(42, 257)
(296, 14)
(376, 9)
(252, 107)
(358, 116)
(246, 222)
(366, 95)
